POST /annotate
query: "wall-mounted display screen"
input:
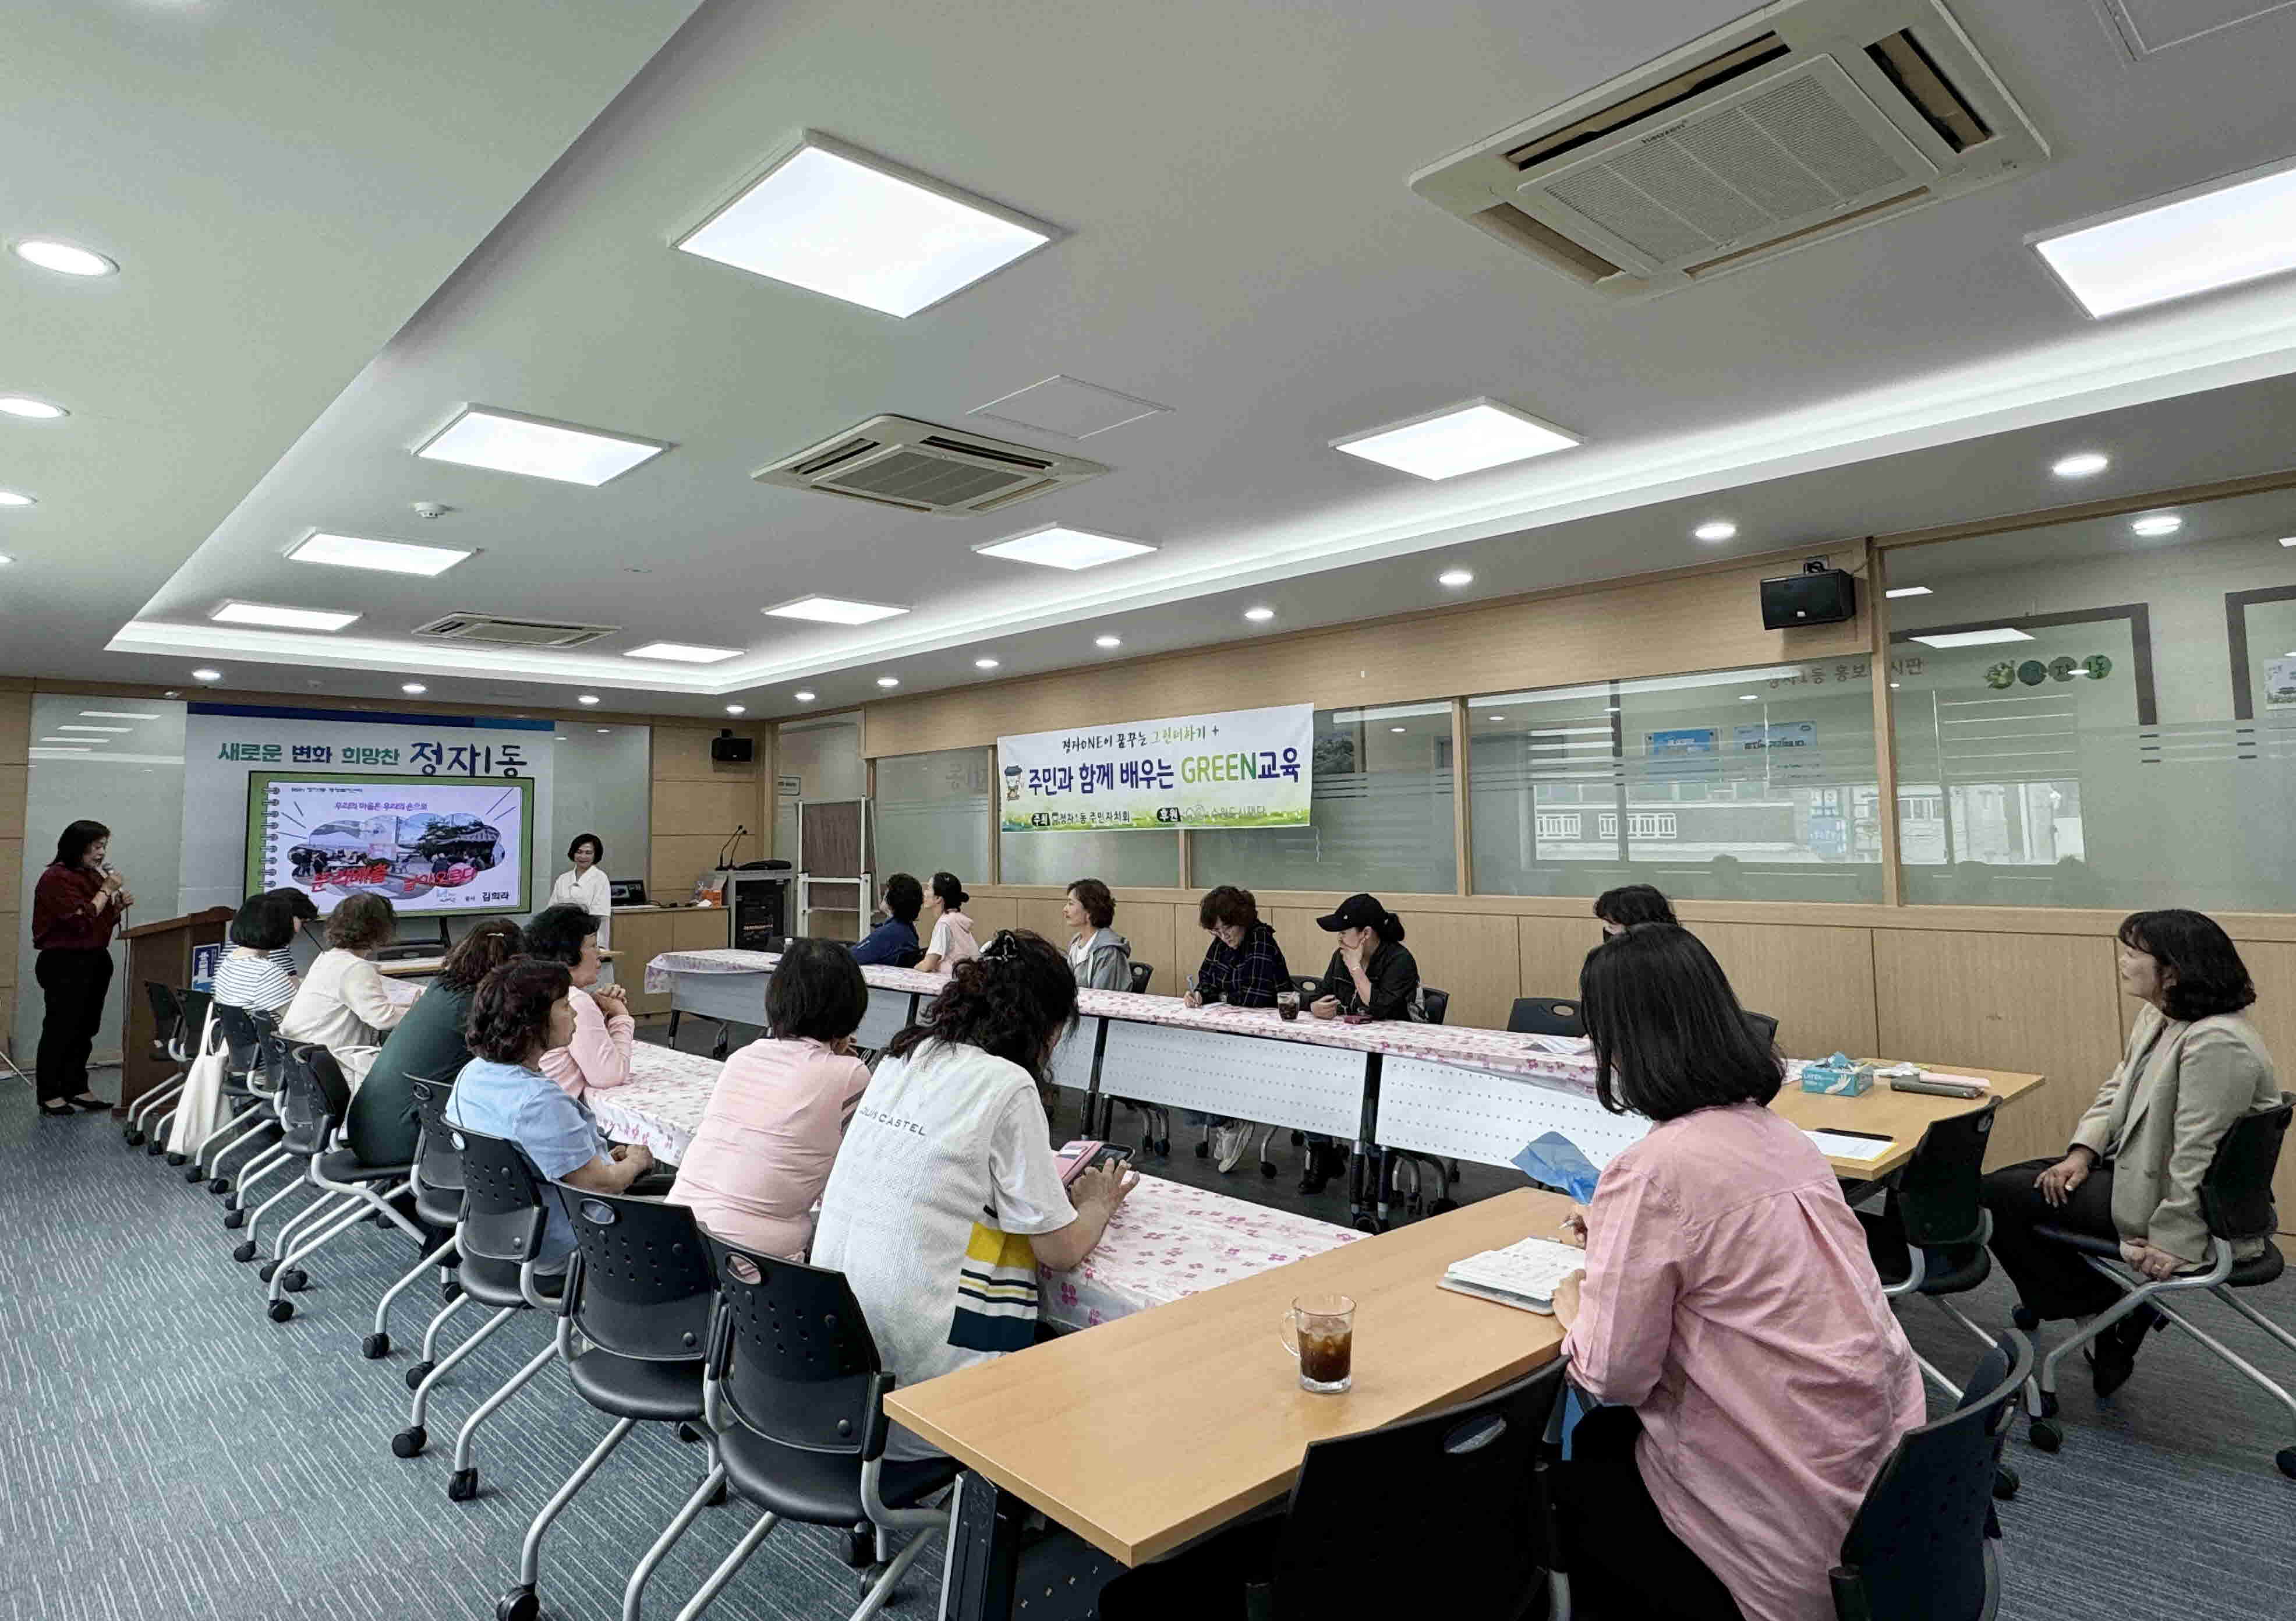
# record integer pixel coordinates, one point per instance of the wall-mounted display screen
(428, 844)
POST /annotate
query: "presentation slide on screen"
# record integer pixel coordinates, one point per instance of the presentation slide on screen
(428, 844)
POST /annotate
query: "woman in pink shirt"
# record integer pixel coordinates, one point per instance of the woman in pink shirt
(953, 941)
(599, 1055)
(1753, 1376)
(762, 1153)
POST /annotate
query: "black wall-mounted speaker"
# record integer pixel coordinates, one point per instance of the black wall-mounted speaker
(1825, 596)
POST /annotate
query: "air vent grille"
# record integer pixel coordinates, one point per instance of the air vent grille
(511, 632)
(897, 461)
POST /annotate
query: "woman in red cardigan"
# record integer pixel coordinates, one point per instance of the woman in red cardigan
(75, 907)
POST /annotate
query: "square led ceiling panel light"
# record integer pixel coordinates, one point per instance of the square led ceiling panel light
(1464, 438)
(504, 442)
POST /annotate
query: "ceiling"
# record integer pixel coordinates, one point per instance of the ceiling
(328, 245)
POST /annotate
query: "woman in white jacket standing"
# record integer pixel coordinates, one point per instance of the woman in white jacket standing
(586, 886)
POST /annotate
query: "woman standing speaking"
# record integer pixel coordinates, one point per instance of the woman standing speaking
(75, 907)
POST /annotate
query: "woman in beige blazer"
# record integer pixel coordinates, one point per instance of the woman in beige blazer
(2133, 1172)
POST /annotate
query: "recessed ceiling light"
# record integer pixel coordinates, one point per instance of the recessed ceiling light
(1907, 591)
(413, 689)
(1973, 638)
(836, 220)
(802, 697)
(1107, 641)
(833, 610)
(2219, 235)
(588, 697)
(684, 653)
(207, 675)
(2288, 541)
(285, 618)
(888, 680)
(83, 743)
(736, 709)
(984, 663)
(504, 442)
(1895, 685)
(36, 410)
(2081, 465)
(1493, 717)
(65, 749)
(604, 729)
(119, 714)
(1259, 616)
(1058, 547)
(1465, 438)
(2159, 523)
(1398, 729)
(16, 497)
(1718, 529)
(1750, 697)
(391, 556)
(64, 258)
(5, 560)
(94, 729)
(1454, 578)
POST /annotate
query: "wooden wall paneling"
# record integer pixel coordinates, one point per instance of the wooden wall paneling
(2273, 966)
(1040, 914)
(703, 929)
(990, 913)
(1705, 618)
(681, 805)
(16, 727)
(683, 751)
(15, 784)
(1552, 950)
(2040, 1004)
(640, 937)
(1816, 982)
(1148, 927)
(1477, 959)
(1307, 949)
(10, 923)
(1188, 943)
(675, 859)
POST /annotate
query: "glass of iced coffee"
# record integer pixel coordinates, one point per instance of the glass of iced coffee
(1320, 1332)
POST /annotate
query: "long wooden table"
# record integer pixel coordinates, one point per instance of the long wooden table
(1146, 1433)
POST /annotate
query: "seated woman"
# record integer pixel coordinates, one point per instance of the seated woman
(344, 1003)
(251, 975)
(953, 941)
(2193, 1066)
(762, 1153)
(1098, 956)
(893, 943)
(429, 1045)
(946, 1196)
(598, 1056)
(300, 948)
(521, 1011)
(1620, 910)
(1727, 1309)
(1244, 967)
(1372, 975)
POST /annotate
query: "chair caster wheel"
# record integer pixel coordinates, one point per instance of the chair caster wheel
(281, 1310)
(463, 1486)
(134, 1140)
(1442, 1206)
(861, 1548)
(2024, 1318)
(1267, 1167)
(2045, 1435)
(1364, 1223)
(195, 1174)
(294, 1280)
(375, 1348)
(1299, 1140)
(1203, 1150)
(418, 1373)
(450, 1291)
(1163, 1147)
(245, 1251)
(154, 1147)
(267, 1269)
(2048, 1404)
(867, 1583)
(235, 1218)
(178, 1159)
(218, 1184)
(688, 1434)
(410, 1441)
(519, 1604)
(2004, 1484)
(2286, 1459)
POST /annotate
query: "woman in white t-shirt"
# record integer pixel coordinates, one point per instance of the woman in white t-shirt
(586, 886)
(946, 1195)
(953, 941)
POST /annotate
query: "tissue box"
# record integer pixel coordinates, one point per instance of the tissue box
(1838, 1075)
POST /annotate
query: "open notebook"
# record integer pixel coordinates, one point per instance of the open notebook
(1523, 1275)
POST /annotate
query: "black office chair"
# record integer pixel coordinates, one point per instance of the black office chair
(796, 1393)
(437, 1182)
(1931, 1234)
(1433, 1006)
(316, 1085)
(168, 1043)
(270, 1082)
(1470, 1527)
(1142, 973)
(181, 1046)
(640, 1292)
(499, 1235)
(2237, 1204)
(1154, 1121)
(245, 1107)
(1765, 1027)
(1922, 1545)
(1545, 1016)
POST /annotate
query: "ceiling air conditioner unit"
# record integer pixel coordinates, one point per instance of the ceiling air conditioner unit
(511, 632)
(897, 461)
(1789, 126)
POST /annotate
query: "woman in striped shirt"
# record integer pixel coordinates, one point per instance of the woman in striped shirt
(253, 973)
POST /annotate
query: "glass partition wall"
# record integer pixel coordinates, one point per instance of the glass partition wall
(2089, 714)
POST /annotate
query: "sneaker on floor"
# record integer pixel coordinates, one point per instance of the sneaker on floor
(1228, 1143)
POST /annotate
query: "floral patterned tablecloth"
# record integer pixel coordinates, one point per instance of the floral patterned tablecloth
(1167, 1240)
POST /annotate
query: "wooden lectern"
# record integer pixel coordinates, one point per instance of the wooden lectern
(161, 952)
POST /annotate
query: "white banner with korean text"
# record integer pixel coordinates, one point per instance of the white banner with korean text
(1246, 767)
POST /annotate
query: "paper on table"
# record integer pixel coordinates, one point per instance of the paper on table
(1841, 1145)
(1560, 1046)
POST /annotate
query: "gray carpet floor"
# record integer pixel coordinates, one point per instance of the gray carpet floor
(171, 1452)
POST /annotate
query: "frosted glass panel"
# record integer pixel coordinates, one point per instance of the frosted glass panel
(1144, 859)
(1381, 814)
(1749, 784)
(932, 815)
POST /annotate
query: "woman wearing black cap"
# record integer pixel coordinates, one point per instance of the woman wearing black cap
(1372, 975)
